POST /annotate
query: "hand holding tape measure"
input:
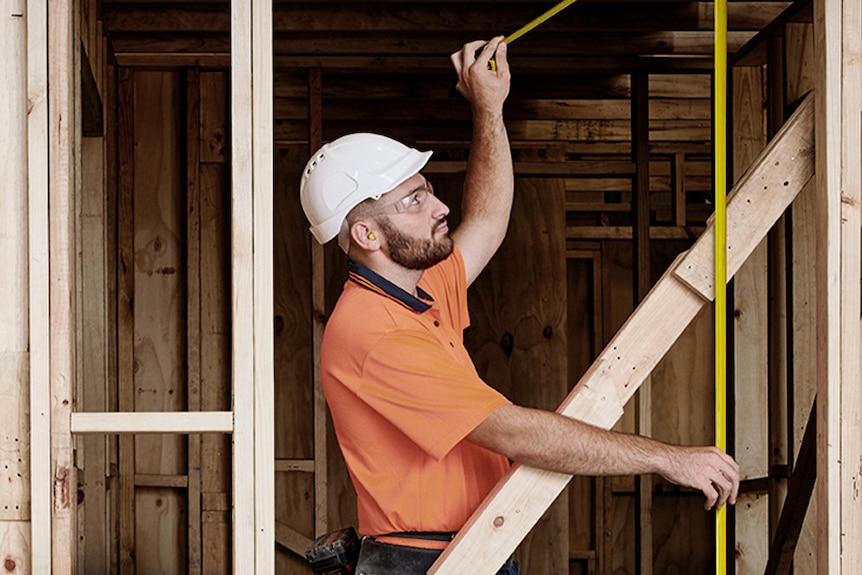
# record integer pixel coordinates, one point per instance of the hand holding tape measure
(530, 25)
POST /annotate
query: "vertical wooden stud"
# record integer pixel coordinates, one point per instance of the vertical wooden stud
(264, 302)
(125, 312)
(251, 249)
(318, 302)
(193, 311)
(39, 279)
(851, 275)
(800, 76)
(750, 347)
(242, 284)
(63, 64)
(642, 283)
(14, 357)
(828, 44)
(92, 450)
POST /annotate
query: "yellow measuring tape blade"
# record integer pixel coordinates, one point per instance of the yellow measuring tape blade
(492, 65)
(536, 21)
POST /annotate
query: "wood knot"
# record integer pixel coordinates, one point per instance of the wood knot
(507, 343)
(498, 521)
(9, 564)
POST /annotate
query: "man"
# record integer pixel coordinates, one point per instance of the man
(424, 438)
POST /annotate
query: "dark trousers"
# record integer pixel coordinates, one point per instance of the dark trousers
(378, 558)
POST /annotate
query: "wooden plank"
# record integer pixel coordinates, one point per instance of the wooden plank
(159, 310)
(828, 81)
(750, 347)
(517, 502)
(193, 312)
(63, 50)
(242, 284)
(302, 465)
(318, 303)
(38, 296)
(793, 151)
(613, 43)
(125, 313)
(341, 107)
(215, 359)
(14, 357)
(642, 278)
(264, 361)
(112, 213)
(422, 17)
(800, 76)
(851, 294)
(139, 422)
(578, 168)
(93, 392)
(292, 539)
(152, 480)
(397, 64)
(625, 232)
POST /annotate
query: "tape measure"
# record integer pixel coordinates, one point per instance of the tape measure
(492, 65)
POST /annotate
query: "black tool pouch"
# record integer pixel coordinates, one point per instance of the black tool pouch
(377, 558)
(334, 553)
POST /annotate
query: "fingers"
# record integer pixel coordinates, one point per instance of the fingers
(722, 476)
(466, 56)
(480, 52)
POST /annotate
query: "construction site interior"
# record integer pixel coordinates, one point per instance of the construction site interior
(611, 121)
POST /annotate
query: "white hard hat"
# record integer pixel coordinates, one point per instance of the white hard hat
(348, 171)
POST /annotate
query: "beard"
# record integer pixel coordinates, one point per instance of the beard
(415, 253)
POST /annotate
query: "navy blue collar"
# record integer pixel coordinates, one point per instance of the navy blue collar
(375, 282)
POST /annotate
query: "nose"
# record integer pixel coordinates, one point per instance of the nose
(438, 208)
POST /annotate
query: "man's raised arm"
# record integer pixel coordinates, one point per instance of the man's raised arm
(490, 182)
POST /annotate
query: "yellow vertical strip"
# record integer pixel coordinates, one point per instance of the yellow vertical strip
(720, 147)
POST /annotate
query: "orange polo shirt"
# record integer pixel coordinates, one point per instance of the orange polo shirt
(403, 393)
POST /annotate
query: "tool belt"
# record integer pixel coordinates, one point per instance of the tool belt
(378, 557)
(388, 558)
(336, 553)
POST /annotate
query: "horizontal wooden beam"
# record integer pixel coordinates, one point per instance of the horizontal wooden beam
(440, 18)
(441, 106)
(181, 422)
(625, 232)
(574, 168)
(400, 64)
(155, 480)
(426, 44)
(301, 465)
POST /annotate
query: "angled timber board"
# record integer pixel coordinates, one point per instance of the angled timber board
(518, 501)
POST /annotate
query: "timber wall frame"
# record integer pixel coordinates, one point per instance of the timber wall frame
(53, 176)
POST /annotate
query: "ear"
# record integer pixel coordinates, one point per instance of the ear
(366, 235)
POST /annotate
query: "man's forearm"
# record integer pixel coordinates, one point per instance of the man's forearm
(550, 441)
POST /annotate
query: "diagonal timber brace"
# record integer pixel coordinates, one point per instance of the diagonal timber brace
(519, 500)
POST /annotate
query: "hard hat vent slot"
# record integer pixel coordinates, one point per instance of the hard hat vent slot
(313, 164)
